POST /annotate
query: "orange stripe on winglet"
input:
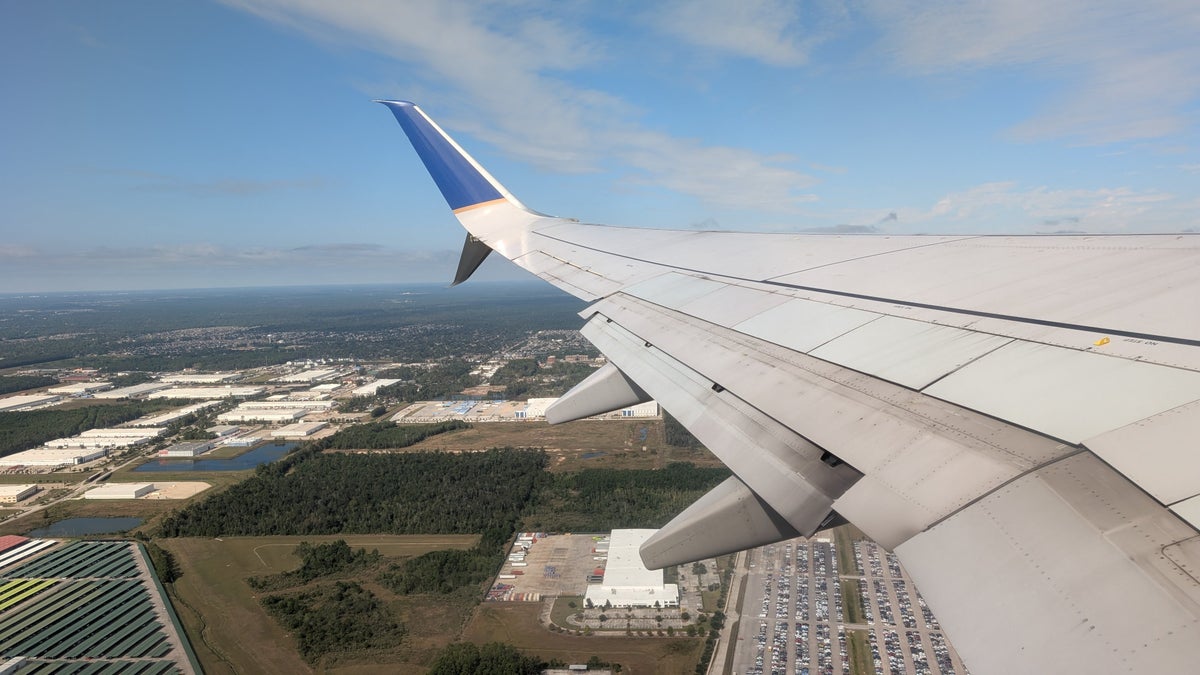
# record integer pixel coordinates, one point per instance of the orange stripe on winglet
(479, 205)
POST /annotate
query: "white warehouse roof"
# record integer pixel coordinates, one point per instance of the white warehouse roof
(370, 388)
(131, 391)
(26, 401)
(208, 392)
(627, 582)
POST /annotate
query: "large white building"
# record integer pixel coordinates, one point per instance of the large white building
(186, 449)
(131, 391)
(109, 438)
(168, 417)
(119, 491)
(199, 378)
(536, 407)
(11, 494)
(26, 401)
(299, 430)
(286, 402)
(627, 582)
(241, 414)
(78, 388)
(209, 392)
(306, 376)
(370, 388)
(52, 456)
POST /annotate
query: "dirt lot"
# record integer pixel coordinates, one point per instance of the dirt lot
(517, 623)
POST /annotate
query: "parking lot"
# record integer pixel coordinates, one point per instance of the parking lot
(793, 618)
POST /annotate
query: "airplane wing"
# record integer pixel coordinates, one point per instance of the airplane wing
(1017, 417)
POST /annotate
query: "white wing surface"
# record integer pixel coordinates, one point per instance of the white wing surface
(1018, 418)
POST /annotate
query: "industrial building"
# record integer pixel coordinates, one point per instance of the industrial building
(209, 392)
(131, 391)
(119, 491)
(627, 582)
(242, 414)
(223, 430)
(109, 438)
(53, 457)
(371, 388)
(536, 407)
(299, 430)
(200, 378)
(186, 449)
(26, 401)
(168, 417)
(78, 388)
(305, 376)
(647, 409)
(286, 402)
(11, 494)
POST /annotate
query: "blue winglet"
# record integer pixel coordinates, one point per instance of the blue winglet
(461, 182)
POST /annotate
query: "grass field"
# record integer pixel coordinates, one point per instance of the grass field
(861, 660)
(620, 441)
(852, 600)
(517, 623)
(231, 633)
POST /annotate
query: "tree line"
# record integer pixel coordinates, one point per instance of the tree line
(340, 617)
(316, 561)
(12, 383)
(27, 429)
(388, 435)
(414, 493)
(597, 500)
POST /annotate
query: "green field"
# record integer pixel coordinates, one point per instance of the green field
(231, 633)
(620, 441)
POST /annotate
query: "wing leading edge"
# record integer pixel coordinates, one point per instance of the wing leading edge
(1014, 416)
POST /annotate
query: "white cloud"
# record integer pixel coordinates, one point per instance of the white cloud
(1126, 71)
(1010, 208)
(763, 30)
(499, 61)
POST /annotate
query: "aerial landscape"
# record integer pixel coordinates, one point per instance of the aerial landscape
(682, 337)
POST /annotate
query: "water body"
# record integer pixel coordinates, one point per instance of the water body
(593, 454)
(247, 460)
(78, 527)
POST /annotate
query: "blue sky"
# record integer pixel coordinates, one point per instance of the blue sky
(160, 145)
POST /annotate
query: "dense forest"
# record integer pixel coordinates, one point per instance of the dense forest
(384, 435)
(28, 429)
(448, 570)
(597, 500)
(418, 493)
(340, 617)
(316, 561)
(493, 658)
(22, 382)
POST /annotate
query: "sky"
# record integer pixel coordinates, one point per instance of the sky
(150, 145)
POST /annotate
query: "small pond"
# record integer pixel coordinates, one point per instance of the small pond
(247, 460)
